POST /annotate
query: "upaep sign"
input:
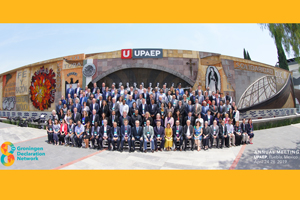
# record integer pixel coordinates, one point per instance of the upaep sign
(141, 53)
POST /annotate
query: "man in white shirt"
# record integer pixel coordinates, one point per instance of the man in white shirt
(124, 107)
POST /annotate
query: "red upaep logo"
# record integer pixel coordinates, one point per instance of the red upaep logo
(126, 53)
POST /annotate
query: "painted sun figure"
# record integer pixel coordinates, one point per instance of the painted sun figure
(41, 89)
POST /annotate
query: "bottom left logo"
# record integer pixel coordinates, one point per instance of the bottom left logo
(10, 159)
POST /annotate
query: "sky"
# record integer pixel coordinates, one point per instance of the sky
(23, 44)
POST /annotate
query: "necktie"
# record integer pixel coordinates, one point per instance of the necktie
(137, 129)
(214, 107)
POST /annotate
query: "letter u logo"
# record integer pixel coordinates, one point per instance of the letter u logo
(126, 53)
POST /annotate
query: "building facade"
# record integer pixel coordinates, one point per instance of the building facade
(259, 90)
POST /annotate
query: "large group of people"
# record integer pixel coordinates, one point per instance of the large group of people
(163, 118)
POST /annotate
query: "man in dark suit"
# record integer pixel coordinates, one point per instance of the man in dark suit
(123, 118)
(94, 89)
(103, 88)
(181, 109)
(114, 106)
(94, 117)
(94, 106)
(213, 108)
(125, 135)
(245, 136)
(115, 136)
(137, 135)
(222, 109)
(104, 135)
(77, 90)
(189, 108)
(70, 91)
(178, 96)
(83, 99)
(135, 117)
(77, 105)
(159, 135)
(209, 118)
(58, 107)
(189, 117)
(106, 94)
(113, 118)
(152, 109)
(223, 134)
(149, 99)
(135, 96)
(188, 134)
(76, 116)
(177, 136)
(143, 108)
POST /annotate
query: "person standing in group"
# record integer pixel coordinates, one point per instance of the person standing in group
(169, 119)
(168, 137)
(250, 130)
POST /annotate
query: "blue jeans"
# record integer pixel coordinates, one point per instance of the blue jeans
(151, 144)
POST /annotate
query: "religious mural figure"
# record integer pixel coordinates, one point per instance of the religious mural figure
(213, 80)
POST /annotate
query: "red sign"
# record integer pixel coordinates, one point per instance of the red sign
(126, 53)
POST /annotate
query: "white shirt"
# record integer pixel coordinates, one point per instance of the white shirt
(188, 131)
(105, 132)
(124, 108)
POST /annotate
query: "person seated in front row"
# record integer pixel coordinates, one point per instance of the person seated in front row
(137, 135)
(214, 134)
(159, 135)
(188, 133)
(87, 134)
(177, 136)
(79, 130)
(104, 135)
(206, 132)
(115, 136)
(231, 136)
(95, 135)
(237, 133)
(148, 135)
(125, 135)
(223, 135)
(245, 137)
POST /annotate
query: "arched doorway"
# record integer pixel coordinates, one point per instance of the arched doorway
(139, 75)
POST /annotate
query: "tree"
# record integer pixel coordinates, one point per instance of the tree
(248, 56)
(286, 38)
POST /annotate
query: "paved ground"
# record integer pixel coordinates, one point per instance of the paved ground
(242, 157)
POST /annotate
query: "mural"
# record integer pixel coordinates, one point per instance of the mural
(9, 103)
(9, 85)
(1, 91)
(42, 88)
(22, 82)
(213, 80)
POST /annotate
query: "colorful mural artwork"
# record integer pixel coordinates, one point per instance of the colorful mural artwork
(42, 88)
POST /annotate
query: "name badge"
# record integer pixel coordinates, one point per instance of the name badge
(145, 123)
(102, 122)
(158, 136)
(148, 134)
(115, 134)
(70, 130)
(82, 121)
(50, 129)
(113, 120)
(92, 122)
